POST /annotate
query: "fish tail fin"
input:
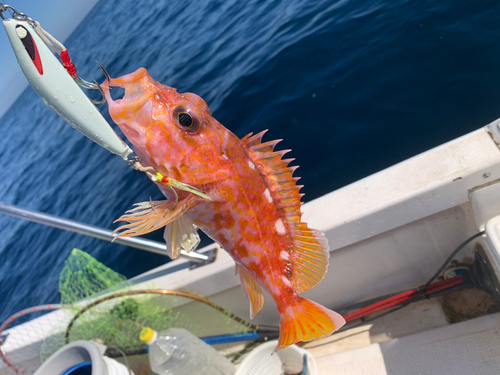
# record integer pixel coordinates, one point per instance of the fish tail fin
(306, 320)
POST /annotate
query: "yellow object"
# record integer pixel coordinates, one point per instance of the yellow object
(179, 185)
(147, 335)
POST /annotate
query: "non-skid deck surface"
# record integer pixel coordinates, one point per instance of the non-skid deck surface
(468, 348)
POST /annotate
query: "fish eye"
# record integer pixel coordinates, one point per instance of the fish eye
(185, 119)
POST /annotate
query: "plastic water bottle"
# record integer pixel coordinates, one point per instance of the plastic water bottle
(177, 351)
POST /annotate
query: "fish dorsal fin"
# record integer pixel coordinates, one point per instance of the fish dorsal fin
(251, 290)
(181, 234)
(309, 252)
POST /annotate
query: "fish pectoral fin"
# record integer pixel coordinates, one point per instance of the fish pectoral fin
(181, 234)
(150, 216)
(251, 290)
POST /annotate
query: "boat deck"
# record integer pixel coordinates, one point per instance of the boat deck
(466, 348)
(419, 339)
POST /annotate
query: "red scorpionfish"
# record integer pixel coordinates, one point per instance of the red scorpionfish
(254, 206)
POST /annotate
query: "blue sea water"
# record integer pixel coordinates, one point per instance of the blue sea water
(351, 86)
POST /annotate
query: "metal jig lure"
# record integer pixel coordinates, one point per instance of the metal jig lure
(58, 84)
(59, 87)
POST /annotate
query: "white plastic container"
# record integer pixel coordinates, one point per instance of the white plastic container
(71, 357)
(177, 351)
(289, 360)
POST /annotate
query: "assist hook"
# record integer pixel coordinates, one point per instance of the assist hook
(104, 71)
(98, 86)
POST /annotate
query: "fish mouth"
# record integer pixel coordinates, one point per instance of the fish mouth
(137, 86)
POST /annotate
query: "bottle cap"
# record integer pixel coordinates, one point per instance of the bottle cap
(148, 336)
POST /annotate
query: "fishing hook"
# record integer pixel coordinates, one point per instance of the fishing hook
(99, 86)
(104, 71)
(94, 86)
(103, 100)
(57, 47)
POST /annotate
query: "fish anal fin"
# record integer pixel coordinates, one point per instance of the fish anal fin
(251, 290)
(150, 216)
(306, 320)
(309, 251)
(181, 234)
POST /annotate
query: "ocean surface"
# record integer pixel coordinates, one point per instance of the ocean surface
(351, 86)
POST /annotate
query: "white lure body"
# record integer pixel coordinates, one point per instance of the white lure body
(57, 88)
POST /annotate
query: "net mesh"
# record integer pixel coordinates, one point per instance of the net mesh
(83, 276)
(99, 303)
(118, 321)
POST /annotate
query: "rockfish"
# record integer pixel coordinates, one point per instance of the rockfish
(253, 205)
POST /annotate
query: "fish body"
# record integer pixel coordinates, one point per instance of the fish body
(254, 206)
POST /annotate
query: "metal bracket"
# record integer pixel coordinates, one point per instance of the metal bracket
(211, 255)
